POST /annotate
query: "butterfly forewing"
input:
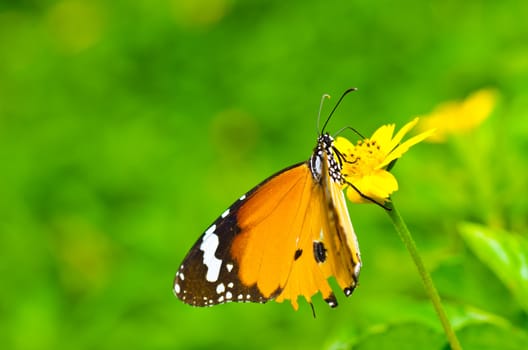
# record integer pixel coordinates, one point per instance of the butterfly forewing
(281, 240)
(210, 273)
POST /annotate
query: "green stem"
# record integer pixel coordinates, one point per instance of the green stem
(407, 239)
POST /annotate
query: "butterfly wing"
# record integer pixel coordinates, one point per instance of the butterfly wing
(341, 236)
(282, 239)
(211, 272)
(326, 245)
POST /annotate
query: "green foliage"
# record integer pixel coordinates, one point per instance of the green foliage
(488, 337)
(505, 254)
(127, 127)
(407, 336)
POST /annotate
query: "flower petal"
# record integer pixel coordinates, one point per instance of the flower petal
(378, 186)
(402, 132)
(343, 145)
(478, 106)
(383, 137)
(404, 147)
(458, 117)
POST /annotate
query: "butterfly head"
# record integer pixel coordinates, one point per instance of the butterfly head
(325, 151)
(325, 148)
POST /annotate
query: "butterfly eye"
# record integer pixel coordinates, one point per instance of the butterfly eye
(316, 166)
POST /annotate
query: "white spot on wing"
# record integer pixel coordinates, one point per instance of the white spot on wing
(225, 213)
(243, 197)
(229, 267)
(181, 276)
(209, 231)
(228, 295)
(357, 268)
(220, 288)
(230, 285)
(208, 247)
(177, 288)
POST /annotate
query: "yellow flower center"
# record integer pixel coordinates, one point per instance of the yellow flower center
(366, 164)
(364, 159)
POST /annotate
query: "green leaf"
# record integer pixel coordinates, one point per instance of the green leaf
(487, 336)
(402, 336)
(506, 254)
(460, 278)
(401, 326)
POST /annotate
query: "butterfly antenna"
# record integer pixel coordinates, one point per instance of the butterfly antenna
(349, 128)
(325, 96)
(335, 107)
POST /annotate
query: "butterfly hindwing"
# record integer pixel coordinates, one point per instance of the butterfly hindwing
(326, 245)
(342, 238)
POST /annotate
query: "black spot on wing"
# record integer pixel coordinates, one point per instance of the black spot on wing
(297, 254)
(319, 251)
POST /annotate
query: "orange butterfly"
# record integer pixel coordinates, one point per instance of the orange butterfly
(281, 240)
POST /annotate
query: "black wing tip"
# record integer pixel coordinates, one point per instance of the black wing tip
(331, 301)
(348, 290)
(275, 294)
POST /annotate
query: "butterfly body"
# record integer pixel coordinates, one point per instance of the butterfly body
(281, 240)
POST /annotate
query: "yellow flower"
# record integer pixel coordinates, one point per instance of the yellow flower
(459, 116)
(365, 165)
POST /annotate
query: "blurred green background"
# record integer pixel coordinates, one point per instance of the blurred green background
(126, 127)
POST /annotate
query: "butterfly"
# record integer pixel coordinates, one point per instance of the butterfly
(283, 239)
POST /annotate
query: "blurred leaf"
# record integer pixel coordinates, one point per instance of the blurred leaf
(471, 324)
(468, 322)
(504, 253)
(405, 336)
(459, 279)
(415, 336)
(398, 309)
(399, 324)
(489, 336)
(462, 316)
